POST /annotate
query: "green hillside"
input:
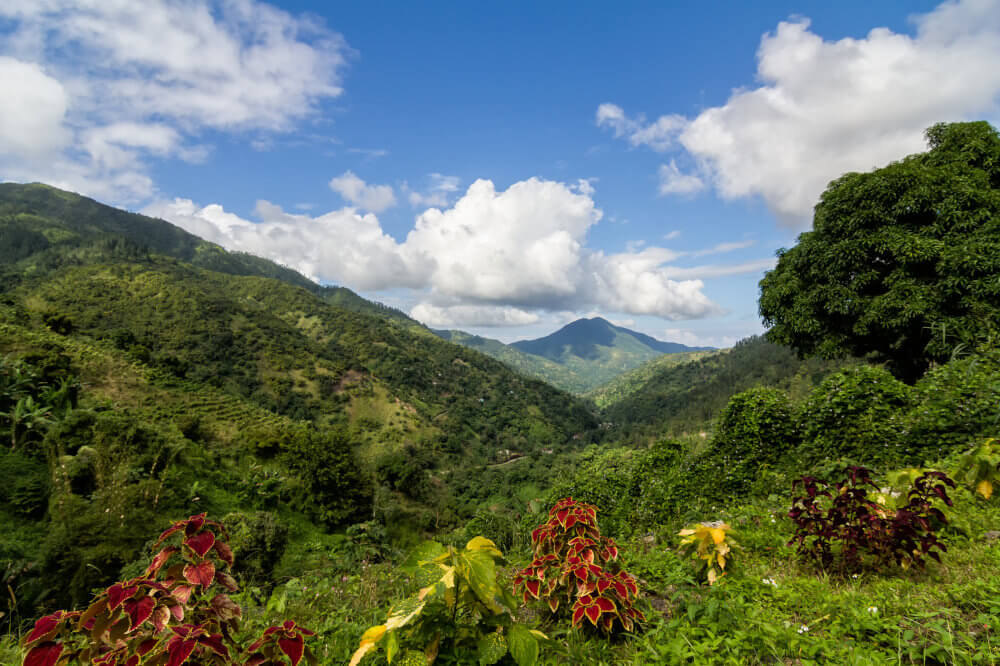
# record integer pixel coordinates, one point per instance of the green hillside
(203, 380)
(627, 383)
(681, 397)
(578, 357)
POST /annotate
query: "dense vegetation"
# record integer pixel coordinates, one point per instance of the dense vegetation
(902, 261)
(748, 506)
(579, 357)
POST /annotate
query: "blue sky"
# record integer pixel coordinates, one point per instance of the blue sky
(502, 169)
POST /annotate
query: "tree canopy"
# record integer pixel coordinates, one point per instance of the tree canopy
(903, 262)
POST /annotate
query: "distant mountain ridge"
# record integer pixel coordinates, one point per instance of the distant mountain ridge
(580, 356)
(585, 337)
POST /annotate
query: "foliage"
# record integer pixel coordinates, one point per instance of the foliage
(848, 532)
(857, 413)
(980, 468)
(171, 614)
(574, 565)
(710, 543)
(902, 262)
(460, 610)
(757, 429)
(688, 396)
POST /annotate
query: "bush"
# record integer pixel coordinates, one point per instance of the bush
(174, 612)
(756, 429)
(847, 531)
(955, 405)
(574, 563)
(857, 413)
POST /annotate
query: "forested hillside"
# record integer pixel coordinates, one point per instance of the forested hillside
(580, 356)
(688, 396)
(192, 379)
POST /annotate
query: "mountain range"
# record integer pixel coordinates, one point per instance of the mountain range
(580, 356)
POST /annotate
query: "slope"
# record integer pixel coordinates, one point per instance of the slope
(688, 395)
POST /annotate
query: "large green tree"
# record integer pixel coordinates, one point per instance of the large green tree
(903, 262)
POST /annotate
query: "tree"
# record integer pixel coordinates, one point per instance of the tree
(903, 262)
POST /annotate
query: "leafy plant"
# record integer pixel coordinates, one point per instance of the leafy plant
(460, 609)
(172, 614)
(573, 563)
(710, 543)
(848, 531)
(980, 468)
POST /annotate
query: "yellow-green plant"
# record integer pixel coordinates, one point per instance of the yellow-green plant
(711, 544)
(980, 468)
(460, 608)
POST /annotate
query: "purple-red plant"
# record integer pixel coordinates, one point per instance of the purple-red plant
(177, 612)
(841, 528)
(573, 566)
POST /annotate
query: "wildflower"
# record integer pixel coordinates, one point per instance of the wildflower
(768, 581)
(873, 610)
(854, 576)
(804, 628)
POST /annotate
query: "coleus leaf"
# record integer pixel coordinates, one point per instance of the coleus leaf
(160, 559)
(43, 654)
(202, 573)
(293, 647)
(201, 542)
(119, 592)
(139, 610)
(593, 612)
(44, 626)
(224, 552)
(179, 649)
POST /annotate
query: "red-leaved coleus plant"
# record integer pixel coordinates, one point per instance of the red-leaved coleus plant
(574, 567)
(178, 612)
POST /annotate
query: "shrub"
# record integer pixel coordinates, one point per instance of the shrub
(847, 531)
(857, 413)
(173, 614)
(955, 405)
(980, 468)
(712, 545)
(460, 610)
(757, 428)
(574, 563)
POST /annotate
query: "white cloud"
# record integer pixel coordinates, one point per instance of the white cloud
(660, 135)
(724, 247)
(672, 234)
(437, 194)
(128, 80)
(827, 107)
(32, 111)
(672, 181)
(492, 258)
(472, 315)
(374, 198)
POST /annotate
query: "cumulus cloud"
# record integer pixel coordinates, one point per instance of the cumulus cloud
(32, 111)
(493, 258)
(374, 198)
(827, 107)
(437, 194)
(472, 315)
(660, 135)
(672, 181)
(126, 80)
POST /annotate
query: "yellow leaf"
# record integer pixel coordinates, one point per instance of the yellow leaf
(360, 653)
(985, 488)
(718, 535)
(373, 635)
(711, 576)
(538, 634)
(722, 561)
(686, 532)
(482, 543)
